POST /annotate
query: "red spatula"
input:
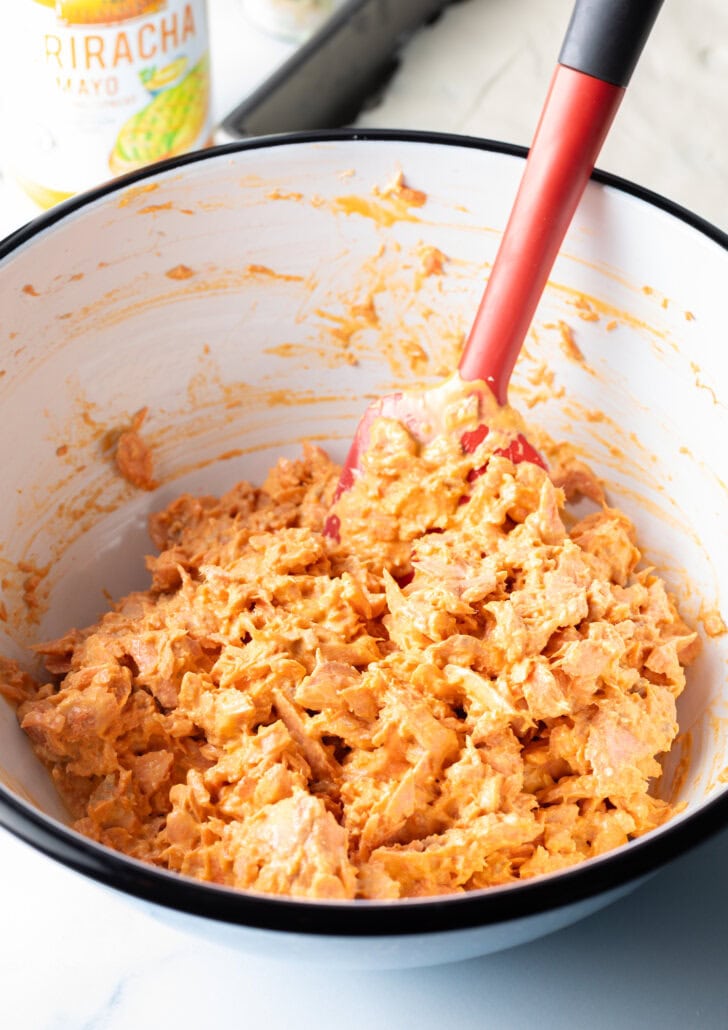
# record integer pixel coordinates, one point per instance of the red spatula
(600, 50)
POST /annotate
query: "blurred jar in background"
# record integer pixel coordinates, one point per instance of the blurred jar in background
(95, 88)
(290, 19)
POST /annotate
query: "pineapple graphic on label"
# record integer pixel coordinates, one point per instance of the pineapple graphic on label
(155, 79)
(107, 86)
(168, 125)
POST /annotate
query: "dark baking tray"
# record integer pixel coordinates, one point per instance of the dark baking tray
(336, 73)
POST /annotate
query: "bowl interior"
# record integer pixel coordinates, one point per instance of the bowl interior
(255, 298)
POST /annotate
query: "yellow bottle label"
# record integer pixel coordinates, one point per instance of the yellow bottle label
(103, 87)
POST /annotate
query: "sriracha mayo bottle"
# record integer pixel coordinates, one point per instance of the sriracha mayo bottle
(95, 88)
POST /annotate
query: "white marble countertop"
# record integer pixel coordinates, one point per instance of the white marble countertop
(75, 957)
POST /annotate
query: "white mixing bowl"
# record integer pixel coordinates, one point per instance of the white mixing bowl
(228, 293)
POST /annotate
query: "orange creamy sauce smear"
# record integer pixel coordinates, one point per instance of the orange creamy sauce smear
(469, 688)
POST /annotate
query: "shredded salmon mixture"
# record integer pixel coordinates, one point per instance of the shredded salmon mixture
(467, 689)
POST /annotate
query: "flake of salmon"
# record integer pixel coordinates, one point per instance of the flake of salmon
(337, 606)
(646, 811)
(16, 685)
(666, 660)
(624, 737)
(561, 825)
(307, 482)
(152, 771)
(77, 726)
(183, 519)
(445, 862)
(323, 765)
(575, 831)
(361, 651)
(525, 495)
(607, 537)
(355, 595)
(390, 447)
(409, 740)
(416, 723)
(221, 713)
(361, 701)
(473, 786)
(541, 767)
(58, 654)
(323, 687)
(289, 551)
(111, 805)
(375, 883)
(606, 829)
(252, 671)
(205, 859)
(498, 869)
(279, 781)
(293, 847)
(459, 579)
(228, 535)
(568, 738)
(490, 496)
(543, 861)
(544, 695)
(259, 767)
(489, 703)
(395, 802)
(461, 649)
(626, 604)
(571, 788)
(509, 636)
(191, 836)
(553, 599)
(133, 608)
(419, 617)
(585, 662)
(161, 658)
(133, 456)
(346, 704)
(574, 477)
(545, 523)
(168, 569)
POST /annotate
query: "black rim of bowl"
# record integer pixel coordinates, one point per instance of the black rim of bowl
(357, 918)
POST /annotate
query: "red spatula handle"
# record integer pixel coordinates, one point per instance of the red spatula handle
(600, 50)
